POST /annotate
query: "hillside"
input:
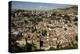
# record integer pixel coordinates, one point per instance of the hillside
(35, 30)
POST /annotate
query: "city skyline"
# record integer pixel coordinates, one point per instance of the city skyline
(37, 5)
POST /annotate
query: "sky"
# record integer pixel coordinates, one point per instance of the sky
(36, 5)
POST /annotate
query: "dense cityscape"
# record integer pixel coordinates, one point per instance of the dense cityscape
(44, 30)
